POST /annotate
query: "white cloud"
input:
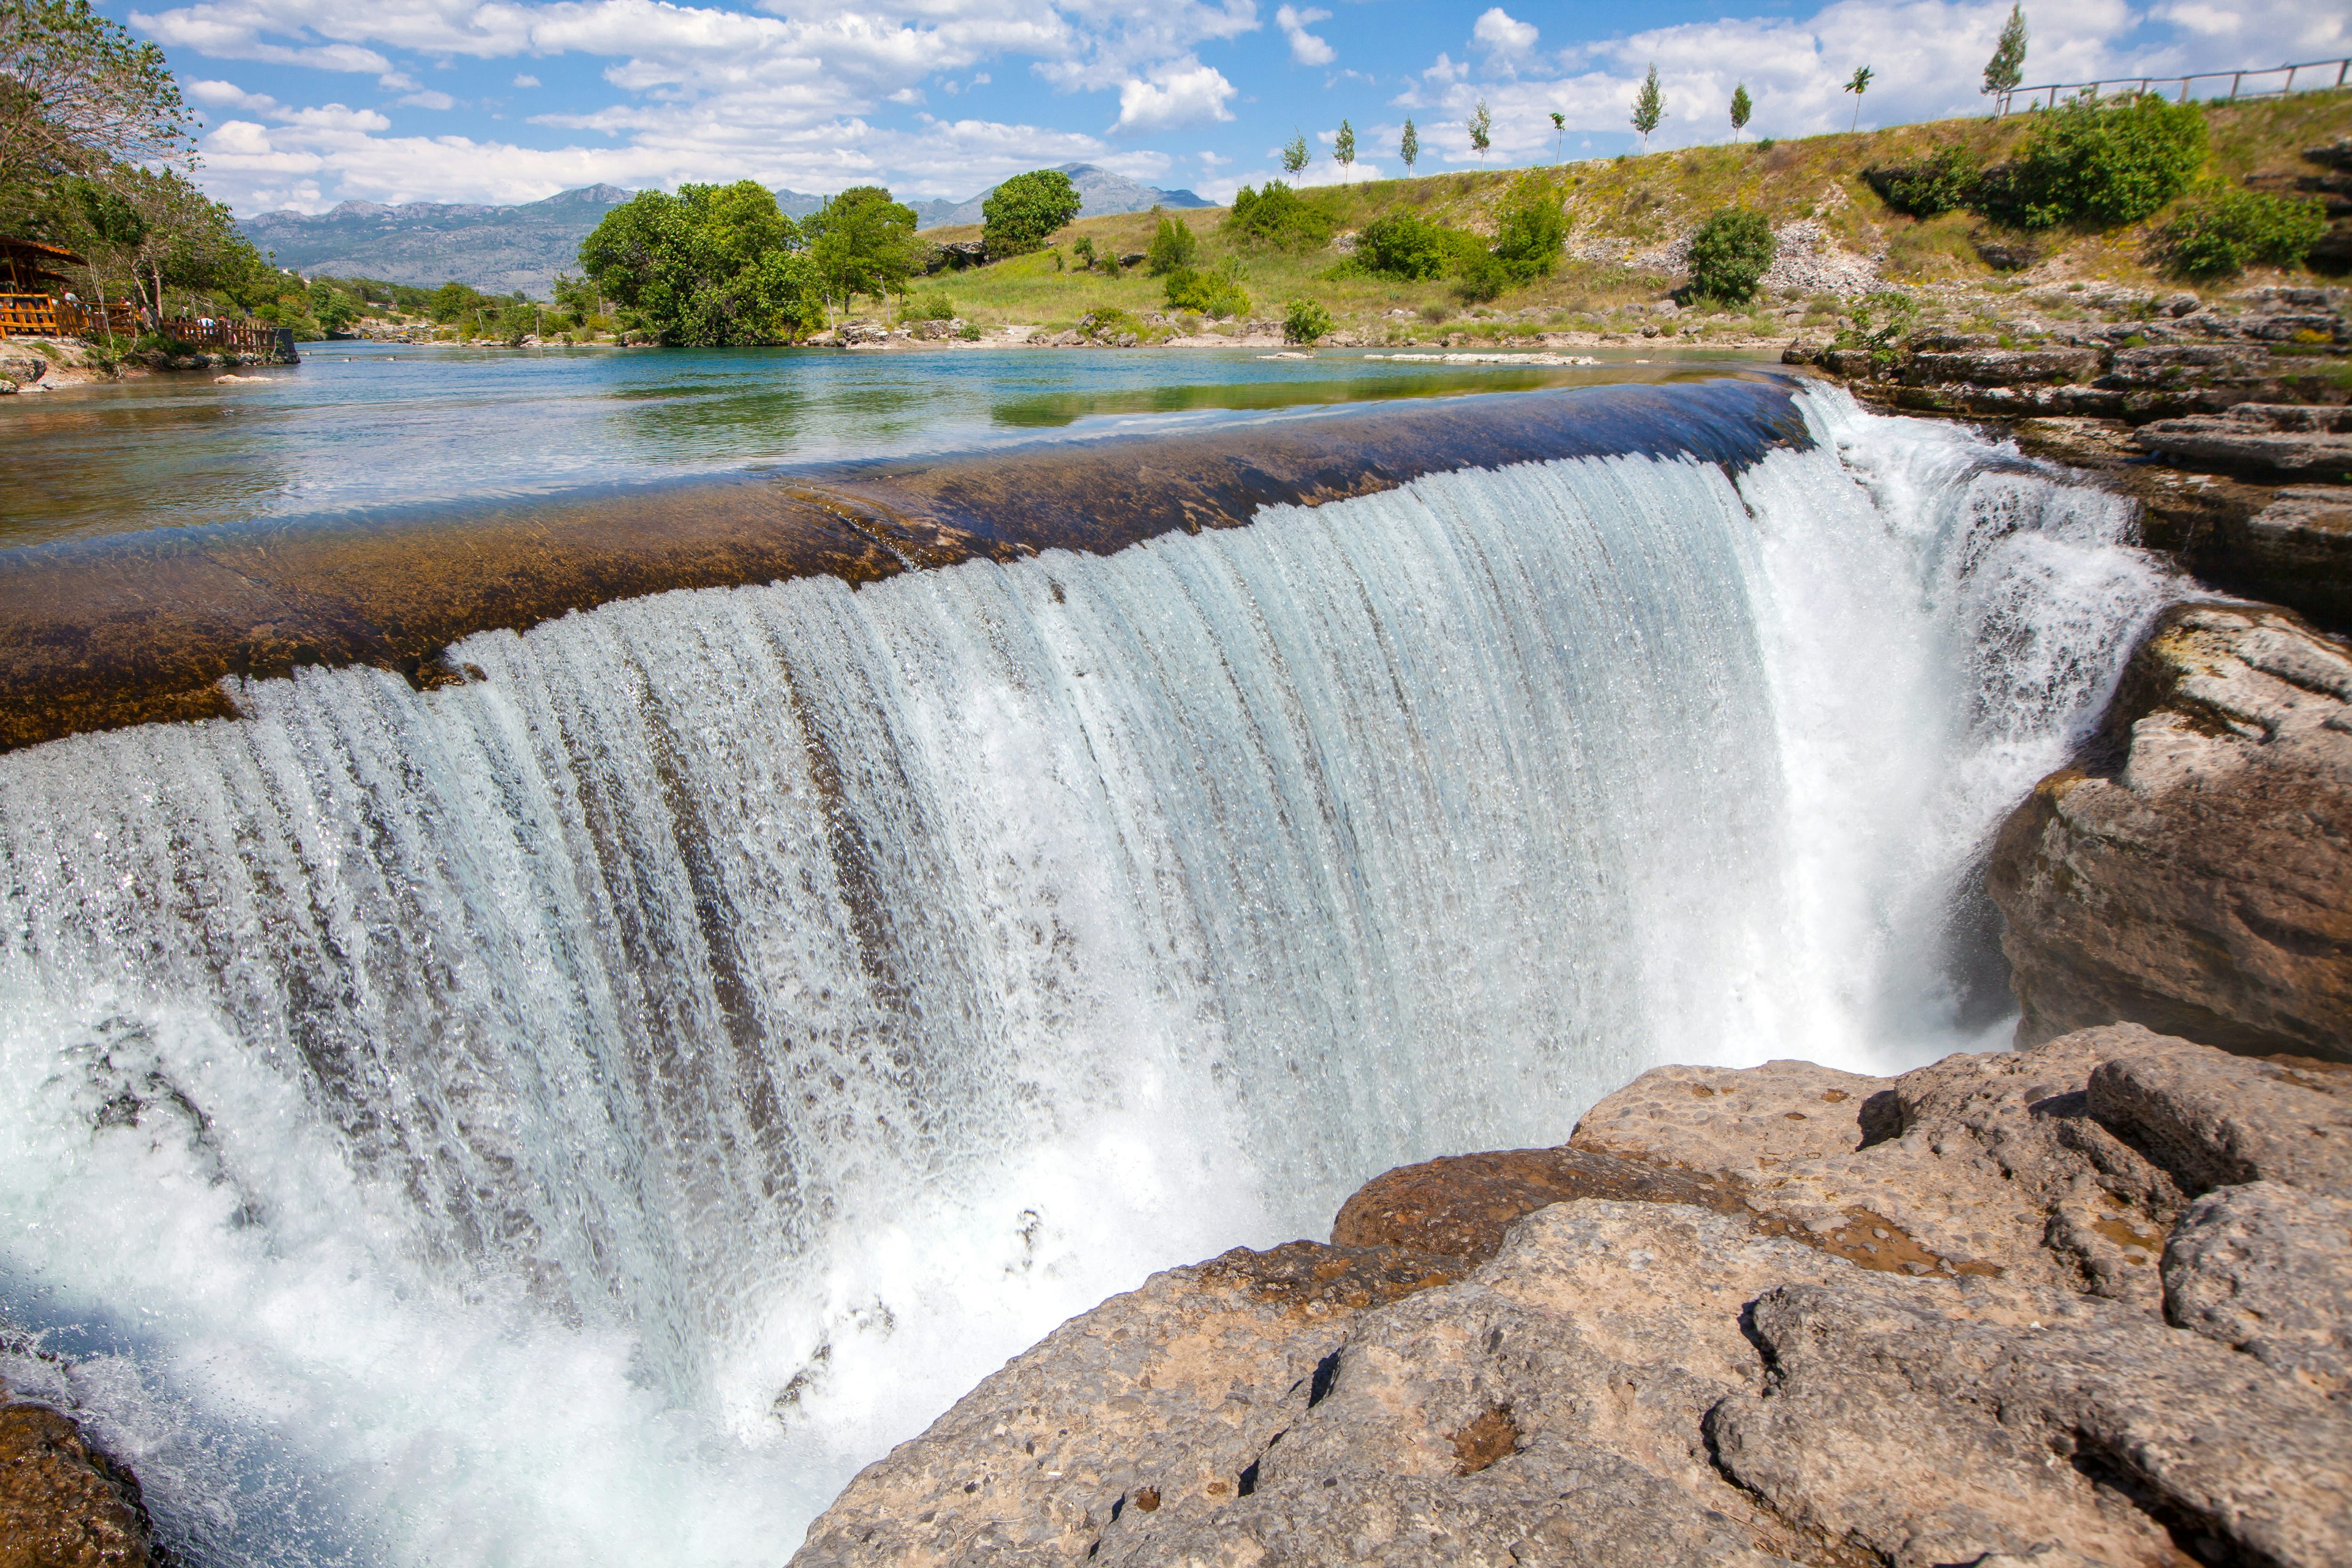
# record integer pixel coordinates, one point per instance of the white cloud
(396, 81)
(1305, 47)
(228, 95)
(1185, 93)
(526, 80)
(1500, 35)
(429, 99)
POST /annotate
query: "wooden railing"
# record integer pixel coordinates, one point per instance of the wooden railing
(2325, 76)
(40, 316)
(251, 337)
(28, 316)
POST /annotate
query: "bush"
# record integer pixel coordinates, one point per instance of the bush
(1279, 216)
(969, 331)
(1020, 213)
(1305, 321)
(1731, 252)
(2105, 165)
(1881, 322)
(1173, 245)
(934, 306)
(2226, 228)
(1480, 276)
(1529, 239)
(1408, 245)
(1946, 181)
(1209, 294)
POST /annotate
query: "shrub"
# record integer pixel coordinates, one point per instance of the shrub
(1407, 245)
(969, 331)
(2102, 164)
(1881, 322)
(1279, 216)
(1173, 245)
(1083, 248)
(1946, 181)
(1730, 253)
(1209, 294)
(2226, 228)
(934, 306)
(1020, 213)
(1480, 276)
(1305, 321)
(1112, 325)
(1533, 228)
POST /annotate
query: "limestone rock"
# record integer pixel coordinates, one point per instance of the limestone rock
(1463, 1204)
(64, 1503)
(2267, 1270)
(2267, 440)
(2200, 881)
(2216, 1121)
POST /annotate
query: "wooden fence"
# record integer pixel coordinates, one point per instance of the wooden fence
(2325, 76)
(40, 316)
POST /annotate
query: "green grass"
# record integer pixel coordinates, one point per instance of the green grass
(1646, 201)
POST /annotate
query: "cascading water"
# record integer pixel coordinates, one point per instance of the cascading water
(578, 1116)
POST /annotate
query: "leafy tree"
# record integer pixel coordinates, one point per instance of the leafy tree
(1307, 323)
(1215, 294)
(1945, 181)
(1732, 250)
(1173, 245)
(1281, 217)
(1530, 232)
(108, 230)
(1858, 84)
(862, 242)
(718, 265)
(2108, 164)
(1409, 149)
(1649, 106)
(2007, 66)
(1083, 248)
(1020, 213)
(1742, 107)
(1558, 135)
(2225, 228)
(77, 93)
(1343, 148)
(1404, 244)
(1481, 126)
(1295, 155)
(1479, 276)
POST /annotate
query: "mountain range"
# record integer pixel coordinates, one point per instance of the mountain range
(501, 249)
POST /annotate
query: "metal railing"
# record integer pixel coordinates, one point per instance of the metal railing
(2320, 82)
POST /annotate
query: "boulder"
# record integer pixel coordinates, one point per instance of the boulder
(2267, 1270)
(2196, 874)
(64, 1502)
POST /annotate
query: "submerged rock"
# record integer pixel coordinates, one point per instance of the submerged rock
(2202, 883)
(1780, 1314)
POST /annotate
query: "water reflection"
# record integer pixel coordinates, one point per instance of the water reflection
(367, 427)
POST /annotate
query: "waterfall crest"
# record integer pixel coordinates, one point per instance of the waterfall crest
(583, 1113)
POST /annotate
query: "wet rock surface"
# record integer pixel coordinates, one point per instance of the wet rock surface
(2196, 875)
(2262, 440)
(1669, 1365)
(64, 1502)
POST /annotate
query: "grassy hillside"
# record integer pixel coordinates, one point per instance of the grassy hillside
(1624, 215)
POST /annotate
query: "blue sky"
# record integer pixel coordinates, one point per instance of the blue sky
(310, 103)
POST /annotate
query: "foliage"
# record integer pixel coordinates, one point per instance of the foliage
(1559, 134)
(1881, 322)
(1112, 325)
(1213, 294)
(1343, 147)
(2106, 164)
(1858, 84)
(1409, 146)
(1481, 126)
(2007, 66)
(1295, 155)
(1280, 218)
(716, 265)
(1480, 276)
(2225, 228)
(933, 306)
(1173, 245)
(1649, 106)
(1404, 244)
(1731, 251)
(1530, 232)
(862, 242)
(77, 93)
(1020, 213)
(1946, 181)
(1742, 107)
(1083, 249)
(1306, 321)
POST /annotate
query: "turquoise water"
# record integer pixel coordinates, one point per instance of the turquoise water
(368, 425)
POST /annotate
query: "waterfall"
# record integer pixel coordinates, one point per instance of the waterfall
(580, 1115)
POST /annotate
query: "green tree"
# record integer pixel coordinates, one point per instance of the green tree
(1649, 106)
(1281, 217)
(1481, 126)
(2007, 66)
(78, 93)
(1403, 244)
(2108, 164)
(1742, 107)
(1858, 84)
(862, 242)
(1558, 135)
(106, 230)
(1730, 253)
(1343, 146)
(1306, 322)
(1295, 155)
(718, 265)
(1530, 232)
(1173, 245)
(1409, 148)
(1020, 213)
(2225, 228)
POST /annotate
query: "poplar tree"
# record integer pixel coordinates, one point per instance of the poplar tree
(1559, 134)
(1742, 106)
(1410, 148)
(1295, 156)
(1481, 125)
(1649, 106)
(2007, 66)
(1344, 147)
(1858, 86)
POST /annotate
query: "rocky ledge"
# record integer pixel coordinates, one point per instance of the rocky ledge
(2089, 1303)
